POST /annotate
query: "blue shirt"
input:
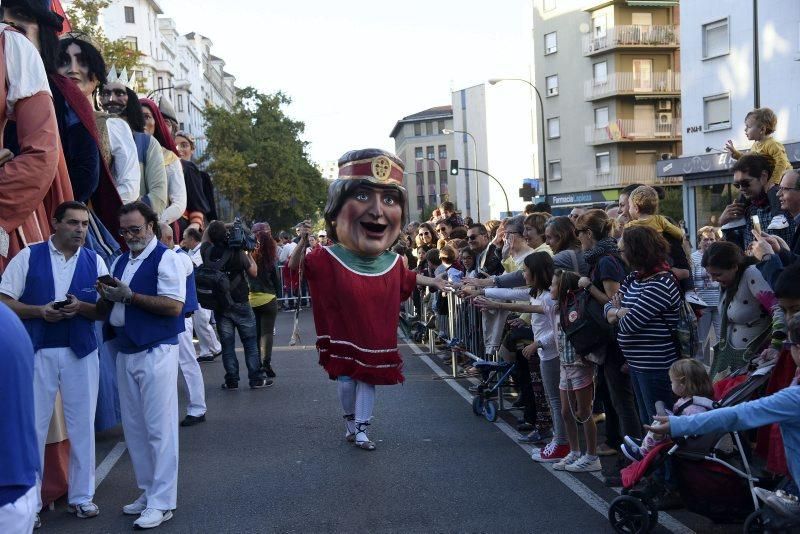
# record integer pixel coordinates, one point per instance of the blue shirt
(19, 453)
(782, 407)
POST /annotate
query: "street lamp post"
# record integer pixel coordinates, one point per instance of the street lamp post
(503, 189)
(494, 81)
(179, 85)
(448, 131)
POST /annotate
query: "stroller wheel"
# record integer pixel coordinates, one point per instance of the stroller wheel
(763, 521)
(477, 405)
(629, 515)
(490, 411)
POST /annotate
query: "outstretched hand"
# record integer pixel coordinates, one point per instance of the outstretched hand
(660, 426)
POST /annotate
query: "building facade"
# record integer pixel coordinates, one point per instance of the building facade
(426, 153)
(608, 72)
(734, 60)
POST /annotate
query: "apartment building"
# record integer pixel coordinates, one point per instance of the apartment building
(734, 60)
(425, 152)
(608, 72)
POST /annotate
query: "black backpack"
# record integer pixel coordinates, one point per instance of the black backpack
(212, 283)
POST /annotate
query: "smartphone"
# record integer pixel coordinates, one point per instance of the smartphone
(756, 223)
(61, 303)
(107, 280)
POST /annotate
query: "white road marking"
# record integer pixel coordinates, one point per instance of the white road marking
(108, 462)
(599, 504)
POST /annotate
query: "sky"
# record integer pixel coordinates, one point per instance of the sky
(355, 67)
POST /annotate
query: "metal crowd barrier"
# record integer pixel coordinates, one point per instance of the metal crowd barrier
(292, 292)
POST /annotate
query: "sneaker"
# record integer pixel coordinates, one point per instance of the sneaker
(84, 510)
(259, 384)
(551, 453)
(191, 420)
(151, 518)
(269, 371)
(605, 450)
(136, 507)
(524, 427)
(585, 464)
(631, 449)
(37, 523)
(780, 501)
(570, 458)
(209, 357)
(536, 436)
(230, 385)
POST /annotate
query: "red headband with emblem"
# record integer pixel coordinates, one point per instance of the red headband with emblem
(379, 169)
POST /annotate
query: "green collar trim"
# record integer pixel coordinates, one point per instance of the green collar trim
(366, 265)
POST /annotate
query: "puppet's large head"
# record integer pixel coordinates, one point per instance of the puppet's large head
(366, 205)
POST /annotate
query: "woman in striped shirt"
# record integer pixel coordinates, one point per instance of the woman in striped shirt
(707, 289)
(646, 311)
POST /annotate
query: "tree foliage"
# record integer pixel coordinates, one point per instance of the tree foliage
(284, 187)
(84, 17)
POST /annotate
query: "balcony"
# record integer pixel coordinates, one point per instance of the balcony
(621, 175)
(663, 128)
(629, 83)
(632, 37)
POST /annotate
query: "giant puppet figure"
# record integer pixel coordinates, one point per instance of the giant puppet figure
(357, 284)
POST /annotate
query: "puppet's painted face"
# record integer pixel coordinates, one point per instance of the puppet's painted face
(370, 220)
(114, 98)
(73, 66)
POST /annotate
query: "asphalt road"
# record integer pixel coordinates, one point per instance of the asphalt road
(275, 460)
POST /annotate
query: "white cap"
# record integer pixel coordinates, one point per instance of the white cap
(323, 233)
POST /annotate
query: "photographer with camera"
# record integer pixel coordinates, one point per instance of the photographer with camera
(228, 296)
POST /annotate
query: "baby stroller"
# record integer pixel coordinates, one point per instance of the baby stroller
(493, 376)
(713, 473)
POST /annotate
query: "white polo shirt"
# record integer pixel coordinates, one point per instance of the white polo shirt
(185, 261)
(171, 280)
(195, 255)
(13, 283)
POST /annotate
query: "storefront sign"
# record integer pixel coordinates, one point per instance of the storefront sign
(586, 197)
(708, 163)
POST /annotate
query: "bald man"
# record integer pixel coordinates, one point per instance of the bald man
(196, 411)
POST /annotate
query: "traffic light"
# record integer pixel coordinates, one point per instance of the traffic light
(454, 167)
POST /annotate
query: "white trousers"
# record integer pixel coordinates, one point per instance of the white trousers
(191, 372)
(493, 323)
(148, 398)
(206, 334)
(78, 380)
(17, 517)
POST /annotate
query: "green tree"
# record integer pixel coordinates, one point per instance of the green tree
(284, 187)
(84, 17)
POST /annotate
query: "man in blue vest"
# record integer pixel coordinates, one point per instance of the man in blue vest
(146, 299)
(187, 358)
(51, 287)
(19, 468)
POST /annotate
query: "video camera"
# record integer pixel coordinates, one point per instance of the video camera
(239, 237)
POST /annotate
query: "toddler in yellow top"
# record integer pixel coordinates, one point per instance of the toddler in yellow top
(643, 202)
(759, 125)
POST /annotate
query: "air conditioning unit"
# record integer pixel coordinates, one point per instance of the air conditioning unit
(667, 155)
(665, 118)
(664, 124)
(664, 105)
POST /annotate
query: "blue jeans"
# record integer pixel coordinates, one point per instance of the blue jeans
(239, 317)
(648, 388)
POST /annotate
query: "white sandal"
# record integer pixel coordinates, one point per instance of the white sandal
(350, 428)
(361, 439)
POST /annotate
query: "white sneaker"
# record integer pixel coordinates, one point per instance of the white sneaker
(152, 517)
(585, 464)
(84, 510)
(562, 464)
(136, 507)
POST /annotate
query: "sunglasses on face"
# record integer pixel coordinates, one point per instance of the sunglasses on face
(133, 231)
(424, 233)
(472, 237)
(742, 183)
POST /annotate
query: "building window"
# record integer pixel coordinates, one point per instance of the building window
(549, 5)
(715, 39)
(429, 153)
(181, 126)
(554, 170)
(599, 26)
(432, 188)
(550, 43)
(442, 151)
(553, 128)
(180, 102)
(420, 191)
(443, 187)
(132, 43)
(551, 83)
(602, 163)
(601, 117)
(160, 82)
(418, 153)
(717, 112)
(130, 18)
(600, 72)
(417, 129)
(439, 127)
(424, 126)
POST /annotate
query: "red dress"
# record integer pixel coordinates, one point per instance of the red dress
(356, 313)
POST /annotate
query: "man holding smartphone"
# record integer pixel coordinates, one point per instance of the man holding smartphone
(51, 287)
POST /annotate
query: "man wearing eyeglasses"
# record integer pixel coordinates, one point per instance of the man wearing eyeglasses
(751, 174)
(789, 195)
(146, 300)
(51, 287)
